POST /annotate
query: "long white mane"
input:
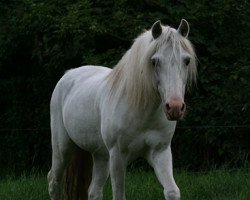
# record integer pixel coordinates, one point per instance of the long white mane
(132, 76)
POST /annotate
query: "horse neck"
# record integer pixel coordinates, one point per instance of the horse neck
(132, 77)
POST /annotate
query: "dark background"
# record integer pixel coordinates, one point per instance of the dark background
(40, 40)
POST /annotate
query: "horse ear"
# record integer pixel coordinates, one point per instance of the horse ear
(183, 28)
(156, 29)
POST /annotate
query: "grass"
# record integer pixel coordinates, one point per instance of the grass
(140, 185)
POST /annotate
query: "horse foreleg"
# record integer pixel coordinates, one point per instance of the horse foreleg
(117, 173)
(161, 161)
(99, 176)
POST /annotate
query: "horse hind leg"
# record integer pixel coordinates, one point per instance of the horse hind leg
(99, 176)
(54, 177)
(62, 149)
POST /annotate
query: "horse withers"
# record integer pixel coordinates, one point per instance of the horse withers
(102, 119)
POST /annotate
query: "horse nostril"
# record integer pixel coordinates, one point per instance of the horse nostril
(183, 107)
(168, 107)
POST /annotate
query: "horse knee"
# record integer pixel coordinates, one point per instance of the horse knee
(172, 194)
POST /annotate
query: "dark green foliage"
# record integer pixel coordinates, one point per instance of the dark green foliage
(40, 40)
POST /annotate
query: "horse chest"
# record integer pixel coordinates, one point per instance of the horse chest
(136, 131)
(136, 140)
(139, 144)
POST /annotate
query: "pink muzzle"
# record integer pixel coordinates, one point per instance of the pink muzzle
(175, 108)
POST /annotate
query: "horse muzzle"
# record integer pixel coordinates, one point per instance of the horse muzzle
(175, 108)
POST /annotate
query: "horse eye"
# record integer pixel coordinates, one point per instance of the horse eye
(187, 61)
(154, 62)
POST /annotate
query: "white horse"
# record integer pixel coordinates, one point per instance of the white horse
(102, 119)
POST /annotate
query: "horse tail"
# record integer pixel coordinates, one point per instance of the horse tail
(78, 175)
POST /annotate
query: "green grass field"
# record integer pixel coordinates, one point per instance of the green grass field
(140, 185)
